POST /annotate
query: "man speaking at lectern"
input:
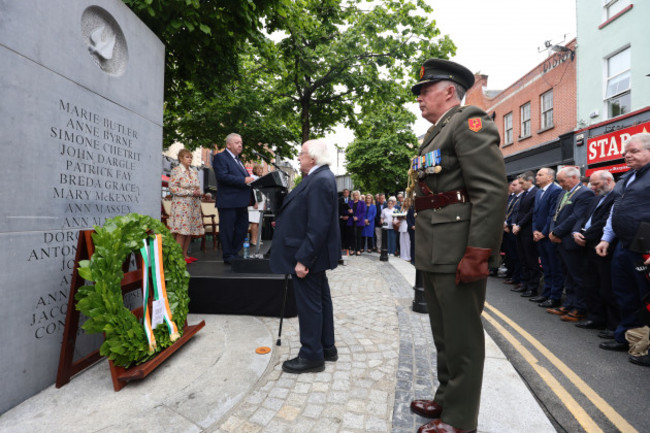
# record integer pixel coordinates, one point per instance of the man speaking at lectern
(306, 243)
(233, 197)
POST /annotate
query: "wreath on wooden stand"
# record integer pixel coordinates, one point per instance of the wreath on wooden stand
(125, 341)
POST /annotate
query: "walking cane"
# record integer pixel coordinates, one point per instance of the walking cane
(284, 303)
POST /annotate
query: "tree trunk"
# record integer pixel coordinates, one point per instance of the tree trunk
(304, 117)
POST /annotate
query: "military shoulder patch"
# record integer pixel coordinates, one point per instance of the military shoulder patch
(475, 124)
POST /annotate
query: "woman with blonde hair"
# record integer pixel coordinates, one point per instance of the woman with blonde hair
(185, 220)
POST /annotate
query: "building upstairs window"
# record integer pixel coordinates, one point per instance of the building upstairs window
(525, 120)
(612, 7)
(617, 92)
(546, 102)
(507, 129)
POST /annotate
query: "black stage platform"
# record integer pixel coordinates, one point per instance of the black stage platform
(216, 289)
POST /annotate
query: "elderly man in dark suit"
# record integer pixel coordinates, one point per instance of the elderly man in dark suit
(523, 229)
(233, 197)
(545, 203)
(571, 207)
(306, 243)
(629, 211)
(602, 311)
(460, 203)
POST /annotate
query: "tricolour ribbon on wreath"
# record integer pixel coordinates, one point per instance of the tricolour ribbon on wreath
(152, 261)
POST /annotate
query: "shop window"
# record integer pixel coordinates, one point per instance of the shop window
(525, 120)
(547, 110)
(617, 92)
(507, 129)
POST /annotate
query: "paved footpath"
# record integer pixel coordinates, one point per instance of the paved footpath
(218, 384)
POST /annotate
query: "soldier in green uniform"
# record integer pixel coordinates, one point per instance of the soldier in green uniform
(460, 203)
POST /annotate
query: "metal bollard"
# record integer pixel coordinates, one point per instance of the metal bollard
(419, 302)
(384, 245)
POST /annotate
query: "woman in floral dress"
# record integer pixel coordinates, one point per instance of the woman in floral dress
(185, 220)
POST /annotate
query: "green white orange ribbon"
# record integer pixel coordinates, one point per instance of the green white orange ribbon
(160, 293)
(146, 314)
(152, 260)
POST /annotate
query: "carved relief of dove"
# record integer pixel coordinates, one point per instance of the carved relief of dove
(103, 49)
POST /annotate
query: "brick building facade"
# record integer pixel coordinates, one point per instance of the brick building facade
(536, 115)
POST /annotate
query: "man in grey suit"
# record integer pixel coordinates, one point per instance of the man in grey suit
(306, 243)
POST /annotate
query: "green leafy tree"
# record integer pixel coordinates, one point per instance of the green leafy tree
(379, 158)
(333, 56)
(203, 42)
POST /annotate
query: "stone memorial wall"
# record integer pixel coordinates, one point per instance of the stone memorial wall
(81, 108)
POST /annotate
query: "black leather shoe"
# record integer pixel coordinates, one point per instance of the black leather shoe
(590, 324)
(299, 365)
(518, 289)
(549, 303)
(607, 334)
(331, 354)
(640, 360)
(539, 298)
(528, 294)
(615, 346)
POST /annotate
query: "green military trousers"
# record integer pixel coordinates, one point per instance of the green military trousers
(455, 315)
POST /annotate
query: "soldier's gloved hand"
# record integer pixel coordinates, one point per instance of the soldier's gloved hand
(474, 265)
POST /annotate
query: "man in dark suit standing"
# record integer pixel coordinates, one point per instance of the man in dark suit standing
(629, 211)
(233, 197)
(511, 260)
(460, 203)
(306, 243)
(345, 213)
(545, 202)
(571, 207)
(602, 311)
(523, 230)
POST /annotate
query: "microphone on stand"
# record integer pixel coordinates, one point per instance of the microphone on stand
(259, 155)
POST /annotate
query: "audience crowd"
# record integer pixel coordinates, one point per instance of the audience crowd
(580, 250)
(363, 216)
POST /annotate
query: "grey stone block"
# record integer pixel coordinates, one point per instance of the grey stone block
(81, 121)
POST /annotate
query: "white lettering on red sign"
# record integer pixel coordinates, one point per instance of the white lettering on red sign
(609, 147)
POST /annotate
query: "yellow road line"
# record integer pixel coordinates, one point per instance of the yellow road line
(587, 423)
(616, 419)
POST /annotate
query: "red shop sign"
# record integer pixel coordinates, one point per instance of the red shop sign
(608, 147)
(616, 168)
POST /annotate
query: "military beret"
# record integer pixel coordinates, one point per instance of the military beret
(434, 70)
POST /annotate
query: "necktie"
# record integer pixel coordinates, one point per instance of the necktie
(563, 201)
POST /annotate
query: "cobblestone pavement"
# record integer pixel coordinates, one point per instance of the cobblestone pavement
(354, 394)
(379, 340)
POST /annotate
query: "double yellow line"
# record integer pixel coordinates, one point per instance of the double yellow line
(586, 421)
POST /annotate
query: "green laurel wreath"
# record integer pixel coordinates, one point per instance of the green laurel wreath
(125, 342)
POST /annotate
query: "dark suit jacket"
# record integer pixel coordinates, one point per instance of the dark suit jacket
(598, 216)
(380, 207)
(525, 213)
(232, 190)
(573, 210)
(306, 228)
(545, 208)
